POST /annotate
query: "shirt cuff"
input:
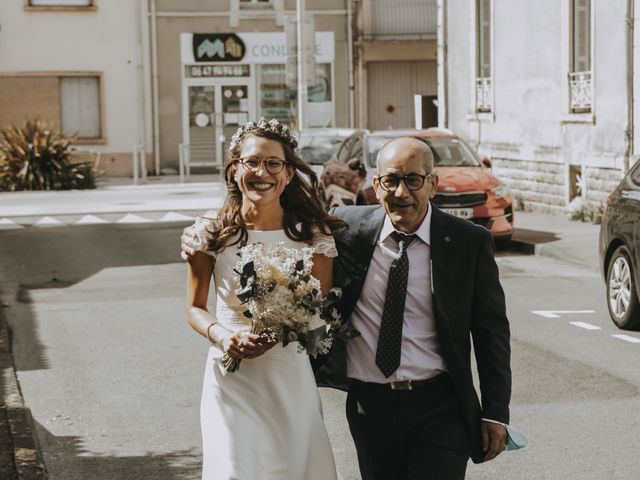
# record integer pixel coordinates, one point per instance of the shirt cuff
(494, 421)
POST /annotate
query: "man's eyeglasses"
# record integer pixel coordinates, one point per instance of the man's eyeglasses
(413, 181)
(272, 165)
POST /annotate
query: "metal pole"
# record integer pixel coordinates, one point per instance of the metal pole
(154, 81)
(181, 162)
(302, 86)
(352, 88)
(442, 62)
(134, 154)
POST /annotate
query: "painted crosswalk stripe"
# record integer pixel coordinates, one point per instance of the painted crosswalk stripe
(48, 222)
(90, 220)
(131, 218)
(585, 325)
(175, 217)
(627, 338)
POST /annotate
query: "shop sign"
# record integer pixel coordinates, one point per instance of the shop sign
(253, 47)
(217, 47)
(200, 71)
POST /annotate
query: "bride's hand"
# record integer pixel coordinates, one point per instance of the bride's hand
(231, 345)
(252, 346)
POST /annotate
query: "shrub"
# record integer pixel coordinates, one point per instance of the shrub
(36, 157)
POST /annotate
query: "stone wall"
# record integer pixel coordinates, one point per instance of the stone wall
(542, 186)
(535, 186)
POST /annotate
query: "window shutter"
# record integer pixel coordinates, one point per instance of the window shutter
(80, 106)
(484, 38)
(581, 35)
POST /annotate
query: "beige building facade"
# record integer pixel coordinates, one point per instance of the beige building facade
(394, 60)
(124, 73)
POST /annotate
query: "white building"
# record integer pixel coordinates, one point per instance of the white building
(78, 64)
(549, 91)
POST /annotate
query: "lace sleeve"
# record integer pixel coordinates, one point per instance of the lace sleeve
(201, 235)
(324, 244)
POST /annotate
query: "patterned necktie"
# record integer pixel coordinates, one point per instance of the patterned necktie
(390, 337)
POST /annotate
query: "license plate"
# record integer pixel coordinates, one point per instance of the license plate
(459, 212)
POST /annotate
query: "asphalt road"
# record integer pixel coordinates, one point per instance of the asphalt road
(112, 373)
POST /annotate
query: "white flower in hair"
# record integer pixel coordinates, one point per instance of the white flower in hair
(272, 126)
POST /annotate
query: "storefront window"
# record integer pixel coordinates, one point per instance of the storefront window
(276, 100)
(279, 100)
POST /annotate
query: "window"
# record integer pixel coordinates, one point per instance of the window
(580, 76)
(72, 102)
(61, 5)
(254, 3)
(80, 106)
(484, 84)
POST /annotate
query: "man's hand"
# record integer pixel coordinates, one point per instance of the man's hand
(494, 439)
(188, 243)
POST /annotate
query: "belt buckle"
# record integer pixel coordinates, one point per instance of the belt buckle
(402, 385)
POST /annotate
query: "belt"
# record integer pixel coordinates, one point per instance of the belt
(408, 384)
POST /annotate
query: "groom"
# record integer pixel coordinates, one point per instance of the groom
(419, 284)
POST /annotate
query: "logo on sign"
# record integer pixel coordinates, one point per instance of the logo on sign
(217, 47)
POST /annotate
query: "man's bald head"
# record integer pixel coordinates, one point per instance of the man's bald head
(416, 148)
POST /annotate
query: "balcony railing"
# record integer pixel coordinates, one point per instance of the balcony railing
(484, 94)
(581, 91)
(397, 19)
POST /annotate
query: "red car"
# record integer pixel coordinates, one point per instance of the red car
(466, 187)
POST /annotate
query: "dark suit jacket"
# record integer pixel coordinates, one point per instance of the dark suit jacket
(468, 302)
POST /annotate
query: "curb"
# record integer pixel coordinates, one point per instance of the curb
(19, 453)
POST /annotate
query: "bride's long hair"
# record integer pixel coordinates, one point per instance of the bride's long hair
(304, 212)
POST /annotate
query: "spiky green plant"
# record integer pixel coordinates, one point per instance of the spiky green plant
(37, 157)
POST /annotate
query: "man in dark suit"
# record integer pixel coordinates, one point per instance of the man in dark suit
(419, 284)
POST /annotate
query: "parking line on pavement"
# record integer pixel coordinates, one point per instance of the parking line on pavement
(585, 325)
(558, 313)
(627, 338)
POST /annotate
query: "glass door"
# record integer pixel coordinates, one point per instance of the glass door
(202, 125)
(236, 110)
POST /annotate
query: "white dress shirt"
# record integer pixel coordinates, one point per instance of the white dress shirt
(420, 355)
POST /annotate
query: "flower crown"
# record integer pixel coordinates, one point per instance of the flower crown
(272, 126)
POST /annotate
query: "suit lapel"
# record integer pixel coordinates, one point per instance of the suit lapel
(441, 251)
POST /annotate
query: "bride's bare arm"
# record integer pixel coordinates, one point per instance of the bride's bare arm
(323, 270)
(199, 271)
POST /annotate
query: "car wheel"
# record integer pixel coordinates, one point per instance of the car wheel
(622, 299)
(503, 243)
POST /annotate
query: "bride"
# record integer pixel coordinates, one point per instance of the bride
(263, 421)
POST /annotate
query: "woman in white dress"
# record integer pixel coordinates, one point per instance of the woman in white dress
(264, 421)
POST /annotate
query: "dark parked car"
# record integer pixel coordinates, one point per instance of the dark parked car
(466, 188)
(619, 247)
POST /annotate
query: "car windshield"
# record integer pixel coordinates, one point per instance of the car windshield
(318, 149)
(447, 152)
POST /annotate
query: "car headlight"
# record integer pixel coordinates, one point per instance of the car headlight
(500, 191)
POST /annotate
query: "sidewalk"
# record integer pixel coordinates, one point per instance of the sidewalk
(165, 199)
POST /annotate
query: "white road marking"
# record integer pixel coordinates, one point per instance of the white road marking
(558, 313)
(627, 338)
(585, 325)
(6, 224)
(90, 220)
(131, 218)
(48, 222)
(175, 217)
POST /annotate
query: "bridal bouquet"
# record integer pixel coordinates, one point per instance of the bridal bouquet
(283, 299)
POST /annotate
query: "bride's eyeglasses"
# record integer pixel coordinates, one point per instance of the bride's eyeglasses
(273, 165)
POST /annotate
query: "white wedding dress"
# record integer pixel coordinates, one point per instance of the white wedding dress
(264, 421)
